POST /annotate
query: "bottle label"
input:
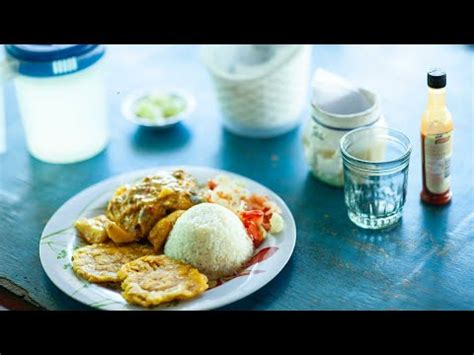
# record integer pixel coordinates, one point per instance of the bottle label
(438, 151)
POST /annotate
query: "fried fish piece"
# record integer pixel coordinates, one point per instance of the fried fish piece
(155, 279)
(162, 229)
(92, 230)
(137, 207)
(101, 262)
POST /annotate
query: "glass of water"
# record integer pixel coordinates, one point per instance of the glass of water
(375, 163)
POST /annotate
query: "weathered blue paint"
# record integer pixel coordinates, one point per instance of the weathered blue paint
(427, 262)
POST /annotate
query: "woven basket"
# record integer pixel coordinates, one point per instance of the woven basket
(267, 105)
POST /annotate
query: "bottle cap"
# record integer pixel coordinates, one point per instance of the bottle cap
(437, 78)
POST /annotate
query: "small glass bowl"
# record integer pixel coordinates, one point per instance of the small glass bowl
(130, 102)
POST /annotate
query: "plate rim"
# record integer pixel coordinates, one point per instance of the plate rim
(231, 298)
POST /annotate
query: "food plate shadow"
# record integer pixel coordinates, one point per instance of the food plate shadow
(155, 140)
(269, 294)
(60, 297)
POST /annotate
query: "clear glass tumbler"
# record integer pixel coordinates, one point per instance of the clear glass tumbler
(375, 163)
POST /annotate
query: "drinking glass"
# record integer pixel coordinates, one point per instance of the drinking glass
(375, 161)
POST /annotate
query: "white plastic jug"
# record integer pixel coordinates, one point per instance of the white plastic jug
(3, 122)
(61, 95)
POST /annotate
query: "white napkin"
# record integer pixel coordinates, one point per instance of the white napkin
(336, 95)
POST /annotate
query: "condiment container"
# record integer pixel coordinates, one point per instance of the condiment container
(337, 107)
(154, 108)
(62, 99)
(436, 142)
(261, 89)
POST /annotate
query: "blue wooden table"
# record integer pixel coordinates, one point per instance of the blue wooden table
(427, 262)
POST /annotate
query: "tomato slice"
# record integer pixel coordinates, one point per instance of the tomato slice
(211, 184)
(255, 233)
(253, 215)
(266, 221)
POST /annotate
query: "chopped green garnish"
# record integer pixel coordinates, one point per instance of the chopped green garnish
(153, 107)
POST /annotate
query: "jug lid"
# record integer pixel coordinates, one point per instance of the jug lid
(47, 60)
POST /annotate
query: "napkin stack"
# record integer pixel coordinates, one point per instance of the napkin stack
(336, 95)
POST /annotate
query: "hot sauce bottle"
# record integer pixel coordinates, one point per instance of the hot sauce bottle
(436, 142)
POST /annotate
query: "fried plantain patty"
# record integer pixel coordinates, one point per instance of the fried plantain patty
(155, 279)
(101, 262)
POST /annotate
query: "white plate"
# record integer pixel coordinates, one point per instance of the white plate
(59, 239)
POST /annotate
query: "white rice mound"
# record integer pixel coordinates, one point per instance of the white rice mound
(211, 238)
